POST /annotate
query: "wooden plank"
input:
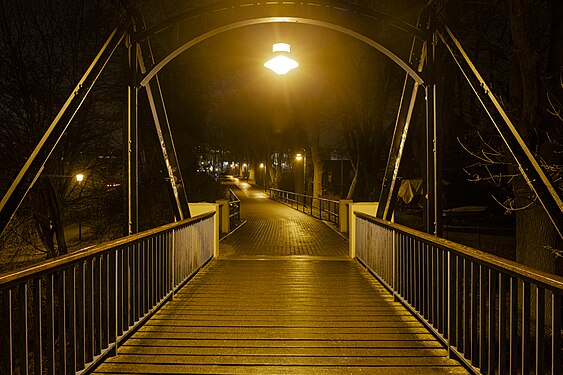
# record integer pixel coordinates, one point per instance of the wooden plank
(284, 351)
(262, 343)
(323, 360)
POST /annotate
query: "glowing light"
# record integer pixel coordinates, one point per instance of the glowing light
(298, 157)
(261, 165)
(281, 47)
(79, 177)
(281, 63)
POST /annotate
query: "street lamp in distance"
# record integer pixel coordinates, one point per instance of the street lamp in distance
(281, 63)
(79, 179)
(263, 170)
(299, 158)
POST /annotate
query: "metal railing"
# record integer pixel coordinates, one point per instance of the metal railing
(321, 208)
(495, 315)
(234, 209)
(62, 315)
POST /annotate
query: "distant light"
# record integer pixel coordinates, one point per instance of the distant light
(281, 63)
(261, 165)
(79, 177)
(298, 157)
(244, 165)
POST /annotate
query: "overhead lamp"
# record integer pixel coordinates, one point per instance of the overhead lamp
(281, 63)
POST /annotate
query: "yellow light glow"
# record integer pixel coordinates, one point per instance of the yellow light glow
(244, 165)
(298, 157)
(281, 64)
(79, 177)
(281, 47)
(261, 165)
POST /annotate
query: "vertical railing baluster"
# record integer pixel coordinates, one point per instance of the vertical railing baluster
(79, 332)
(112, 298)
(482, 317)
(442, 273)
(121, 289)
(525, 327)
(445, 294)
(37, 327)
(11, 333)
(458, 293)
(428, 282)
(491, 322)
(61, 320)
(154, 272)
(132, 292)
(97, 305)
(72, 340)
(22, 318)
(107, 298)
(90, 315)
(513, 326)
(461, 282)
(502, 321)
(424, 279)
(474, 311)
(433, 285)
(555, 338)
(50, 332)
(451, 301)
(467, 308)
(540, 329)
(173, 263)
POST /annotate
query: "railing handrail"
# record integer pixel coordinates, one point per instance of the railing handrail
(306, 195)
(527, 273)
(46, 266)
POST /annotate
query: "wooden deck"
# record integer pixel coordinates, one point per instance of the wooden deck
(283, 297)
(271, 316)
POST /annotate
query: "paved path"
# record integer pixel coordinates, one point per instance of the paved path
(273, 229)
(283, 297)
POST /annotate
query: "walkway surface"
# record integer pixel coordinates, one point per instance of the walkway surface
(283, 297)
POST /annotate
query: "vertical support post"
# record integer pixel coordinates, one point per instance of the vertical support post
(437, 146)
(433, 162)
(176, 186)
(132, 170)
(429, 96)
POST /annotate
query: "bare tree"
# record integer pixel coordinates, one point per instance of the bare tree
(523, 42)
(44, 49)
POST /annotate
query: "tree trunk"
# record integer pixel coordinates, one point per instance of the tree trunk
(352, 187)
(317, 161)
(534, 232)
(48, 216)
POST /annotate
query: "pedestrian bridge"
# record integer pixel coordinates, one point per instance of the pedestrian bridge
(281, 294)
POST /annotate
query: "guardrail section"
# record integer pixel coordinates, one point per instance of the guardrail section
(321, 208)
(62, 315)
(495, 315)
(234, 209)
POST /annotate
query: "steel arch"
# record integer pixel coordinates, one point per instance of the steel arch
(195, 26)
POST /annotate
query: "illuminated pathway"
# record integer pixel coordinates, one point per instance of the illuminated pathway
(282, 298)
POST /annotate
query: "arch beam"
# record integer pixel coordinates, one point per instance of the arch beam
(268, 20)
